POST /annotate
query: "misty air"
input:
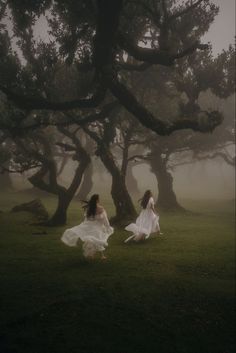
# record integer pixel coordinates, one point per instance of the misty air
(117, 168)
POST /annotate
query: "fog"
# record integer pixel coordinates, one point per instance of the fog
(212, 179)
(222, 32)
(117, 176)
(208, 179)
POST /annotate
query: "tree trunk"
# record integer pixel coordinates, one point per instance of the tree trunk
(86, 185)
(167, 200)
(5, 179)
(65, 196)
(131, 182)
(125, 210)
(60, 216)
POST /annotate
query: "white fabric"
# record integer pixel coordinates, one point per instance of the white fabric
(146, 223)
(94, 233)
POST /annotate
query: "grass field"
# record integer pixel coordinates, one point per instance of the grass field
(171, 294)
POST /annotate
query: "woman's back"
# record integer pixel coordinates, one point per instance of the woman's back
(99, 214)
(150, 204)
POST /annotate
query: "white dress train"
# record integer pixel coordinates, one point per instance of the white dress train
(146, 223)
(94, 233)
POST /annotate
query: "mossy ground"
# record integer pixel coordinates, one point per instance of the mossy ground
(171, 294)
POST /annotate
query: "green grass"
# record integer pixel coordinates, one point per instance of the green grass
(172, 294)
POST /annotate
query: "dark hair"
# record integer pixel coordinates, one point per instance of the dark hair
(91, 206)
(144, 200)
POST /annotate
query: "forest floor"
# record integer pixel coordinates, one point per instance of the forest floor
(172, 294)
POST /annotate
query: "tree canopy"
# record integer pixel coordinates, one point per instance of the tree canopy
(99, 42)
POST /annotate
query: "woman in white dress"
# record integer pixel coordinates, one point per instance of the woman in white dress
(94, 231)
(147, 222)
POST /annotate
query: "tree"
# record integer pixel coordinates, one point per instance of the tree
(206, 76)
(95, 35)
(131, 181)
(187, 147)
(180, 92)
(99, 45)
(87, 183)
(36, 152)
(5, 179)
(115, 140)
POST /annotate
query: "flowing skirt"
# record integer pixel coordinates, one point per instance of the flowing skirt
(146, 223)
(92, 233)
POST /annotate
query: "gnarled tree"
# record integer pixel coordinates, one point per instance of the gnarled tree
(115, 140)
(36, 152)
(94, 36)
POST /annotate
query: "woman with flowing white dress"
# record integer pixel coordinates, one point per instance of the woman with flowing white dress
(94, 231)
(147, 222)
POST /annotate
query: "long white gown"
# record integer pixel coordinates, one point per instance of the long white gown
(146, 223)
(93, 231)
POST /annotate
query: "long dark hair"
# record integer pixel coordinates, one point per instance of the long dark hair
(144, 200)
(91, 205)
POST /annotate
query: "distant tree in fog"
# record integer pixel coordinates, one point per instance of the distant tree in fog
(204, 77)
(38, 152)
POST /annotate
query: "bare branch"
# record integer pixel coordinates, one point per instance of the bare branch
(151, 56)
(185, 11)
(161, 127)
(71, 119)
(92, 134)
(156, 56)
(66, 146)
(19, 170)
(191, 50)
(26, 102)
